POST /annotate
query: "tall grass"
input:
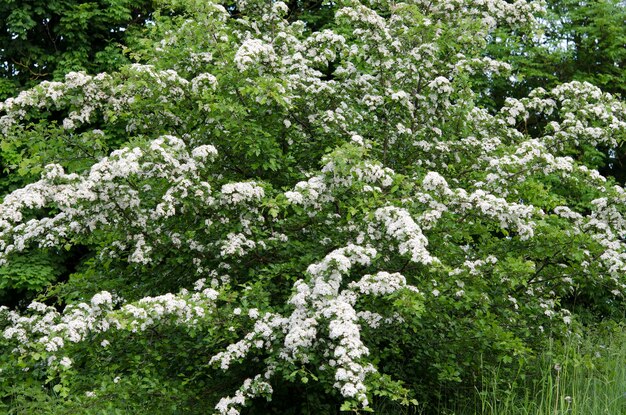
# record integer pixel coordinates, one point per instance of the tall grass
(584, 377)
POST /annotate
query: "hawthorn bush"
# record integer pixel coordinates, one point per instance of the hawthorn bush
(323, 217)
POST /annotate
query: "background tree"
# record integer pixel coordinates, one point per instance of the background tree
(44, 40)
(578, 41)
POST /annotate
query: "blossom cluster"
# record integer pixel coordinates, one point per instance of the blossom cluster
(46, 329)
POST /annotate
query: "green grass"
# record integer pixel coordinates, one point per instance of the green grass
(586, 377)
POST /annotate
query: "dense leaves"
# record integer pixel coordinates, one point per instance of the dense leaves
(42, 40)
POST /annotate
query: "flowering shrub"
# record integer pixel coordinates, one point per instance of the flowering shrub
(271, 211)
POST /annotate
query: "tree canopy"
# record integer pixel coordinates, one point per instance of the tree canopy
(319, 211)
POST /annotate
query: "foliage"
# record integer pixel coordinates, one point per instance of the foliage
(323, 216)
(42, 40)
(31, 272)
(579, 41)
